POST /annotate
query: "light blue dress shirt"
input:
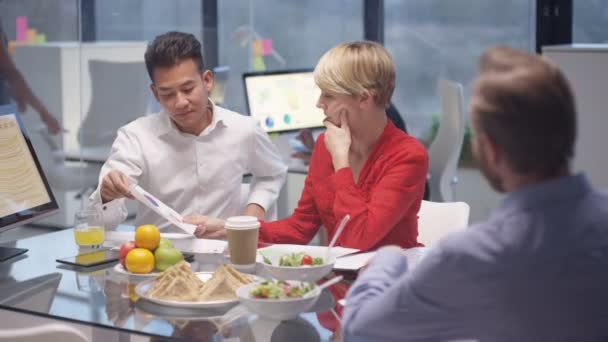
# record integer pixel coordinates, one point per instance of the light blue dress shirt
(536, 271)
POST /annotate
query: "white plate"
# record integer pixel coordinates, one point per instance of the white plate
(142, 290)
(119, 269)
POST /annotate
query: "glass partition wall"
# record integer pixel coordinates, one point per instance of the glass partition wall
(84, 58)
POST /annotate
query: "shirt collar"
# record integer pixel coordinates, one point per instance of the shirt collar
(218, 120)
(544, 193)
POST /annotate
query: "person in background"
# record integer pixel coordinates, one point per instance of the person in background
(362, 165)
(536, 270)
(192, 155)
(13, 85)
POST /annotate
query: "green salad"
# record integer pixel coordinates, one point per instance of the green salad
(296, 259)
(280, 290)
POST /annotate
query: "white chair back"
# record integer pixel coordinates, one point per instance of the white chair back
(119, 95)
(438, 219)
(444, 151)
(44, 333)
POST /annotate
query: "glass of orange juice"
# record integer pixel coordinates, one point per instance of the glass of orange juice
(88, 228)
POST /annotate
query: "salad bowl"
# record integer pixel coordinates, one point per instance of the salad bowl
(303, 266)
(278, 300)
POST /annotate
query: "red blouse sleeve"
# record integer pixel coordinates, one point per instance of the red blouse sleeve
(303, 224)
(373, 214)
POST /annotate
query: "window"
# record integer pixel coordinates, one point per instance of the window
(145, 19)
(590, 21)
(298, 32)
(433, 39)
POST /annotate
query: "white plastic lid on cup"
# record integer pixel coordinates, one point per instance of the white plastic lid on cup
(242, 222)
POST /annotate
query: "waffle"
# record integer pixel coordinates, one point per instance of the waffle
(223, 284)
(177, 283)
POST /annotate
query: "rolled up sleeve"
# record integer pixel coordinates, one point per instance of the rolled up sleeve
(269, 171)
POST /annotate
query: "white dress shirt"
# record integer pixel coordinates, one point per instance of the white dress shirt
(193, 174)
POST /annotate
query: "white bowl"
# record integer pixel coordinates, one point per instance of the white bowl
(302, 273)
(276, 309)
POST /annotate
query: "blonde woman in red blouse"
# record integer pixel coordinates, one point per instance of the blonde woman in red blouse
(362, 165)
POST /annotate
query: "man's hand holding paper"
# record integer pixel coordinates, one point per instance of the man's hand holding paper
(115, 185)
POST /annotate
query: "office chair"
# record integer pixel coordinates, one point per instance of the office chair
(119, 95)
(444, 151)
(438, 219)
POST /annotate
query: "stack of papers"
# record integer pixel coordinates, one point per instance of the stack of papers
(355, 262)
(183, 242)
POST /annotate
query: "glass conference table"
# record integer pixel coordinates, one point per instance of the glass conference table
(35, 283)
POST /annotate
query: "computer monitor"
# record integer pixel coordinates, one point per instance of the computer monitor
(283, 100)
(25, 195)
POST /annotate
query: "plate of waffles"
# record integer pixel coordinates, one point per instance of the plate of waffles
(180, 287)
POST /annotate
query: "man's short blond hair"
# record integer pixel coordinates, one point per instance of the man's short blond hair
(353, 68)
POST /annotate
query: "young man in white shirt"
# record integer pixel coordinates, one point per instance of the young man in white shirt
(192, 155)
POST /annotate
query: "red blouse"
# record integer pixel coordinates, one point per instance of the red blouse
(383, 204)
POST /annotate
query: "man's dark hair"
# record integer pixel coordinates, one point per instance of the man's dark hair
(172, 48)
(525, 105)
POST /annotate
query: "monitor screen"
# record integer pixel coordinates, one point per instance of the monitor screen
(220, 79)
(25, 194)
(283, 100)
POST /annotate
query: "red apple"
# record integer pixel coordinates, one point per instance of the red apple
(125, 248)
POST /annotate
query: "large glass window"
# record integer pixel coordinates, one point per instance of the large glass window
(434, 39)
(144, 19)
(590, 21)
(292, 34)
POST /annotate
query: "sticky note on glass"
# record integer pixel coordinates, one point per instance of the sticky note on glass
(257, 48)
(267, 46)
(41, 38)
(31, 35)
(21, 28)
(258, 63)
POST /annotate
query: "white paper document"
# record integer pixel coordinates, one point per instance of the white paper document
(353, 262)
(160, 208)
(356, 261)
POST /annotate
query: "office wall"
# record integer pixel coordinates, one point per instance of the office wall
(586, 67)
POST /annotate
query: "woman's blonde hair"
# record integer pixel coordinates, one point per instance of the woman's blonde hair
(353, 68)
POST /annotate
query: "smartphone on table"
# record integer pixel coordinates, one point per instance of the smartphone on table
(100, 257)
(92, 258)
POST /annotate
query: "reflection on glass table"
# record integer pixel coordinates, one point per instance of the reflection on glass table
(102, 297)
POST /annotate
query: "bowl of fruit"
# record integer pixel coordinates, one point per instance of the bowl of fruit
(148, 254)
(278, 299)
(304, 265)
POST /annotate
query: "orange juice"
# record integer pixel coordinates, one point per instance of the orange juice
(89, 236)
(89, 258)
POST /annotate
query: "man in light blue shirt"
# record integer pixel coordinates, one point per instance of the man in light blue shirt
(537, 270)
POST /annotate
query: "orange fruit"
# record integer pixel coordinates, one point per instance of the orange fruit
(147, 236)
(140, 260)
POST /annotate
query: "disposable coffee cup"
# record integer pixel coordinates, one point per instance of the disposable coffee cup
(242, 233)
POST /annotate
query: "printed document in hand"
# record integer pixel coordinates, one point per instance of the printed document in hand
(160, 208)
